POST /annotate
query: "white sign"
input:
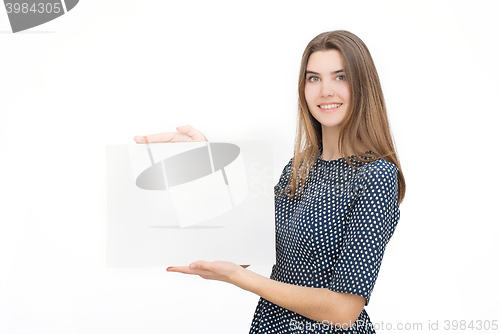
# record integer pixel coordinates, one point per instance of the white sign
(175, 203)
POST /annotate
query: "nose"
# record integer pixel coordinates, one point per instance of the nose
(327, 89)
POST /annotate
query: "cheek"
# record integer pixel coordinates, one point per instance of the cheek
(346, 96)
(309, 95)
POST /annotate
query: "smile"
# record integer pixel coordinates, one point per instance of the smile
(330, 106)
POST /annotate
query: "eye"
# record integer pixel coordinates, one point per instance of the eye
(341, 78)
(313, 79)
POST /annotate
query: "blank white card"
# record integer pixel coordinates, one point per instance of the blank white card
(176, 203)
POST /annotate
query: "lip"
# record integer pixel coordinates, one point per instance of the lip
(327, 103)
(328, 111)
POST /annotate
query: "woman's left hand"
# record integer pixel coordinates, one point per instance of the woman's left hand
(219, 270)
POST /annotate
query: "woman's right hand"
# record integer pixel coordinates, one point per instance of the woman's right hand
(184, 134)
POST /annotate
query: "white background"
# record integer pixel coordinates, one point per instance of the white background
(109, 70)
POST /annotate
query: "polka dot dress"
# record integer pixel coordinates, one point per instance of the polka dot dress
(333, 237)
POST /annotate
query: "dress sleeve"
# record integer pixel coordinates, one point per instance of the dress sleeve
(280, 187)
(369, 226)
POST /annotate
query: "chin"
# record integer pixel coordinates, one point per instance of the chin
(331, 125)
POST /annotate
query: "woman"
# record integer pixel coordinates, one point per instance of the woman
(337, 200)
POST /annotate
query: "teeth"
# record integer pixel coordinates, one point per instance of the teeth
(331, 106)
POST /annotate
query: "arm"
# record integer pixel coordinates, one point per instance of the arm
(314, 303)
(184, 134)
(371, 225)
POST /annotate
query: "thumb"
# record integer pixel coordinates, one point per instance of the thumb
(199, 265)
(183, 129)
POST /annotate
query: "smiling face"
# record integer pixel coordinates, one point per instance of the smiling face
(326, 89)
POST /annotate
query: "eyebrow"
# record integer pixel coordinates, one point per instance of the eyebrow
(316, 73)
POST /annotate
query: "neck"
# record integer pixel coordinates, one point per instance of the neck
(330, 139)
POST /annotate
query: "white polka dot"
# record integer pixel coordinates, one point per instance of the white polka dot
(333, 236)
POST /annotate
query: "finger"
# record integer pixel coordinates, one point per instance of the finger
(201, 265)
(186, 129)
(161, 137)
(205, 274)
(155, 138)
(194, 134)
(139, 139)
(184, 270)
(245, 266)
(193, 267)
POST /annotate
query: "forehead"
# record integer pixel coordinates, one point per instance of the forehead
(330, 60)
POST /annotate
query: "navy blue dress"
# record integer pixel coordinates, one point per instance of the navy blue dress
(333, 237)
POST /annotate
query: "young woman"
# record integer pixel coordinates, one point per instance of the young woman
(337, 200)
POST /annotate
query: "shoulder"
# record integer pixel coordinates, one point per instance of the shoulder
(287, 168)
(378, 171)
(283, 179)
(378, 188)
(379, 166)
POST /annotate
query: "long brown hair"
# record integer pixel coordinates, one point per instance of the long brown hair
(366, 120)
